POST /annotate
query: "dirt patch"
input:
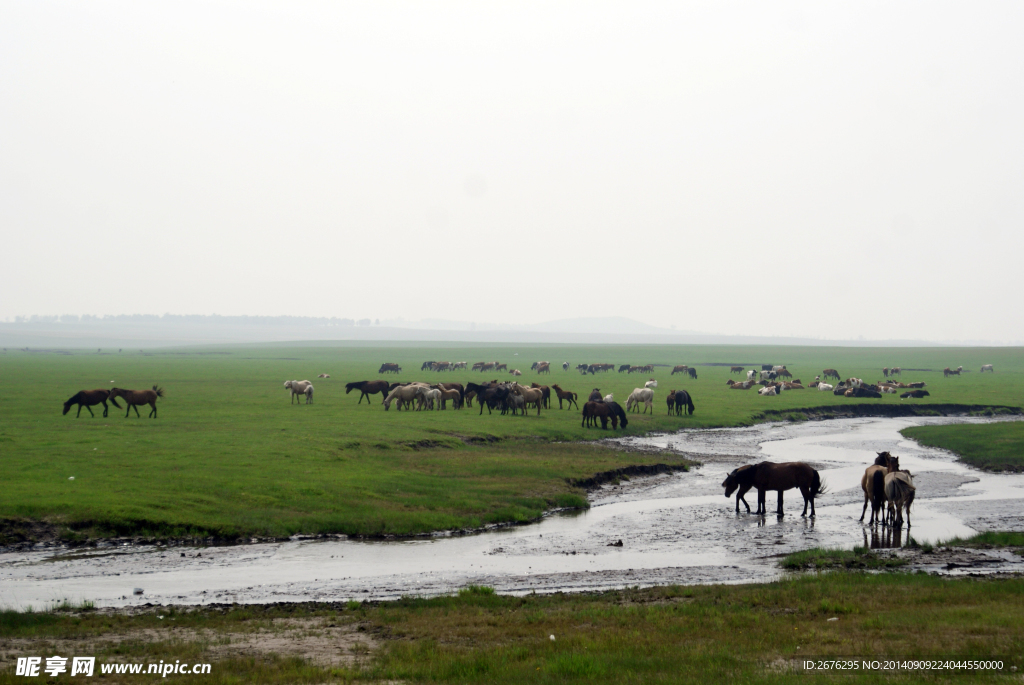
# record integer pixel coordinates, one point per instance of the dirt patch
(625, 473)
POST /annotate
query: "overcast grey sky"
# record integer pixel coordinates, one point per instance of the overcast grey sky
(824, 169)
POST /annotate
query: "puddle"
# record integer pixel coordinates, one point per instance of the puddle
(675, 528)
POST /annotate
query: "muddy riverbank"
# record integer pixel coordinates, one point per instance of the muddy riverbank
(675, 527)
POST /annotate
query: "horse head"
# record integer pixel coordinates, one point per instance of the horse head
(730, 483)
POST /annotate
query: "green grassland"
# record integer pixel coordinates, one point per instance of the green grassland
(992, 446)
(228, 455)
(702, 634)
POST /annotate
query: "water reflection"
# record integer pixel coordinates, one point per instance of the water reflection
(884, 537)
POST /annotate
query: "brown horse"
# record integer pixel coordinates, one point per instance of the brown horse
(594, 411)
(90, 398)
(741, 479)
(873, 485)
(133, 398)
(781, 477)
(367, 388)
(735, 369)
(547, 394)
(567, 395)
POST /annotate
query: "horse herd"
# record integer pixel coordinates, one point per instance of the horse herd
(132, 398)
(887, 488)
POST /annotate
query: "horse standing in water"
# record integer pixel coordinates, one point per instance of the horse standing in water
(136, 397)
(88, 399)
(780, 477)
(873, 485)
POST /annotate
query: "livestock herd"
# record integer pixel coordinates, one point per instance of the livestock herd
(889, 489)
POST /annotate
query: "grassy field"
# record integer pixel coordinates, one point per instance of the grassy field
(745, 633)
(229, 455)
(993, 446)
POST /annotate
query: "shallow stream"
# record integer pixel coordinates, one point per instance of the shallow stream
(674, 528)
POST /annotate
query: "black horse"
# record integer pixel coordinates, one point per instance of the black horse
(90, 398)
(681, 402)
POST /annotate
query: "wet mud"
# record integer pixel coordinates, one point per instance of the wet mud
(675, 527)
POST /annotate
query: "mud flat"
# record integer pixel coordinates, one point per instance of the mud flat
(675, 528)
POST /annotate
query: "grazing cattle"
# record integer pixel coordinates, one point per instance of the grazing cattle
(427, 365)
(515, 372)
(651, 384)
(885, 371)
(136, 397)
(582, 368)
(547, 393)
(478, 366)
(987, 367)
(830, 373)
(324, 375)
(751, 374)
(567, 395)
(442, 366)
(896, 371)
(297, 388)
(544, 367)
(824, 386)
(565, 366)
(88, 399)
(367, 388)
(736, 369)
(645, 395)
(595, 395)
(679, 369)
(767, 476)
(952, 372)
(594, 411)
(626, 367)
(389, 368)
(915, 394)
(682, 403)
(784, 373)
(769, 375)
(500, 367)
(777, 369)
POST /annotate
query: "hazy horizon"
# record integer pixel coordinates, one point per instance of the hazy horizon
(808, 170)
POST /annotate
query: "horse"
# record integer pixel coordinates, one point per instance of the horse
(645, 395)
(367, 388)
(88, 399)
(402, 394)
(679, 369)
(594, 411)
(297, 388)
(951, 372)
(781, 477)
(987, 367)
(427, 365)
(873, 485)
(533, 396)
(595, 395)
(736, 369)
(309, 394)
(651, 384)
(692, 373)
(547, 393)
(682, 401)
(830, 373)
(567, 395)
(133, 398)
(626, 367)
(452, 394)
(741, 479)
(899, 492)
(389, 368)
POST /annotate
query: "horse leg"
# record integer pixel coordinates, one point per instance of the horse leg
(105, 409)
(805, 492)
(79, 414)
(152, 414)
(779, 510)
(136, 408)
(128, 409)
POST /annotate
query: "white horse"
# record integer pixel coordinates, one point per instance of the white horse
(987, 367)
(651, 384)
(309, 394)
(825, 386)
(645, 395)
(297, 388)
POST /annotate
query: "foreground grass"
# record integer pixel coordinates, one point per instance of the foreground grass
(747, 633)
(229, 456)
(992, 446)
(989, 539)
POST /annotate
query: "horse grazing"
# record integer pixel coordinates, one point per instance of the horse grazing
(133, 398)
(88, 399)
(627, 368)
(736, 369)
(681, 402)
(367, 388)
(830, 373)
(567, 395)
(594, 411)
(741, 479)
(297, 388)
(987, 367)
(873, 485)
(389, 368)
(781, 477)
(679, 369)
(645, 395)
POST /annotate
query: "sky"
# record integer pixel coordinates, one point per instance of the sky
(815, 169)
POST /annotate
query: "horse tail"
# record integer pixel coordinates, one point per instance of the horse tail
(159, 391)
(817, 485)
(878, 488)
